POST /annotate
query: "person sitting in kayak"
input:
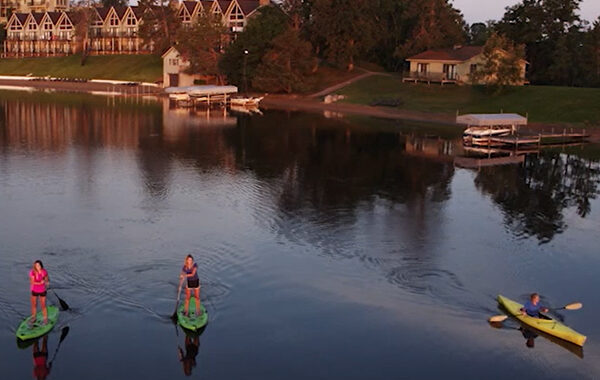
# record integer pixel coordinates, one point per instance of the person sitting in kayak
(190, 272)
(38, 278)
(532, 307)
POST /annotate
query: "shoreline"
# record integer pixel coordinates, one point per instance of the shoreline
(275, 102)
(98, 87)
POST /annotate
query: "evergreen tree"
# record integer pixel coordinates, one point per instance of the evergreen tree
(548, 28)
(433, 24)
(256, 40)
(161, 24)
(286, 65)
(478, 34)
(347, 28)
(201, 45)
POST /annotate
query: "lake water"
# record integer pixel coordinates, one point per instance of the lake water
(328, 248)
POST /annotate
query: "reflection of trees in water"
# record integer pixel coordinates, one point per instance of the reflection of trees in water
(534, 196)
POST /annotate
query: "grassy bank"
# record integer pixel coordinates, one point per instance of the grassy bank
(147, 68)
(544, 104)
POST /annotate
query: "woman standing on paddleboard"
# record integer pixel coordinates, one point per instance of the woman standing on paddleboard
(190, 272)
(38, 278)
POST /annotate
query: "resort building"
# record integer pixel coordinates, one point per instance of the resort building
(452, 65)
(7, 7)
(113, 30)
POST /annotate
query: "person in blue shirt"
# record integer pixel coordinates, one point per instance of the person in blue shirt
(533, 307)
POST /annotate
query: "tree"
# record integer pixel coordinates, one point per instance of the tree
(201, 45)
(113, 3)
(432, 24)
(544, 27)
(256, 40)
(347, 27)
(501, 63)
(478, 34)
(161, 24)
(392, 31)
(286, 65)
(593, 52)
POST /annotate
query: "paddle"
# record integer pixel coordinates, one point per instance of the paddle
(571, 306)
(63, 304)
(174, 316)
(63, 334)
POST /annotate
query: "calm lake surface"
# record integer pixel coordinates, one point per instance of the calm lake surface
(328, 248)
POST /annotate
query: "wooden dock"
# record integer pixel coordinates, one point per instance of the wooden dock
(544, 138)
(476, 163)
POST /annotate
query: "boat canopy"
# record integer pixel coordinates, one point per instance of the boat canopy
(204, 90)
(491, 119)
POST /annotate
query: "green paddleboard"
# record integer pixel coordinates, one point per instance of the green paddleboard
(192, 321)
(31, 331)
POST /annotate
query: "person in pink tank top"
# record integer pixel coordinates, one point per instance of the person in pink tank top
(38, 278)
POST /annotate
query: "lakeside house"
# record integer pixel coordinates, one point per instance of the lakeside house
(113, 30)
(8, 7)
(452, 65)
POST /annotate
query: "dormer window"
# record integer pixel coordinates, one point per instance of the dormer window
(131, 21)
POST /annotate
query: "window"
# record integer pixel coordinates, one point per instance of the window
(422, 68)
(449, 71)
(131, 20)
(185, 16)
(174, 62)
(473, 68)
(236, 19)
(113, 20)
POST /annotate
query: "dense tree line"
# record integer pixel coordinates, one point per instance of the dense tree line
(562, 48)
(279, 45)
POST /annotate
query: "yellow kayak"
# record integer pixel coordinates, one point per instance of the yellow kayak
(547, 325)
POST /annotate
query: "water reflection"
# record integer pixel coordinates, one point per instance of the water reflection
(534, 196)
(314, 171)
(42, 363)
(188, 353)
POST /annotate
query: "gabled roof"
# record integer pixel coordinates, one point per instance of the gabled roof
(54, 16)
(248, 6)
(65, 16)
(74, 17)
(21, 17)
(458, 54)
(169, 50)
(223, 4)
(37, 16)
(120, 11)
(190, 6)
(46, 16)
(102, 12)
(137, 11)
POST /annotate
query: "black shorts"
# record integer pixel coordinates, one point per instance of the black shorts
(193, 284)
(36, 294)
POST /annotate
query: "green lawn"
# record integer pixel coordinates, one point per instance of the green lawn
(146, 68)
(542, 103)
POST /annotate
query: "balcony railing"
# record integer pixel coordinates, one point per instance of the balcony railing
(432, 77)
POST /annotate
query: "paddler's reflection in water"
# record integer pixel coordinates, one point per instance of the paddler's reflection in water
(529, 336)
(41, 370)
(188, 358)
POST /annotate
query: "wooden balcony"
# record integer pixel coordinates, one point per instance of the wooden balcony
(428, 77)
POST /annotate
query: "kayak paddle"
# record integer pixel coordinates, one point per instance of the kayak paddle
(63, 304)
(174, 316)
(571, 306)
